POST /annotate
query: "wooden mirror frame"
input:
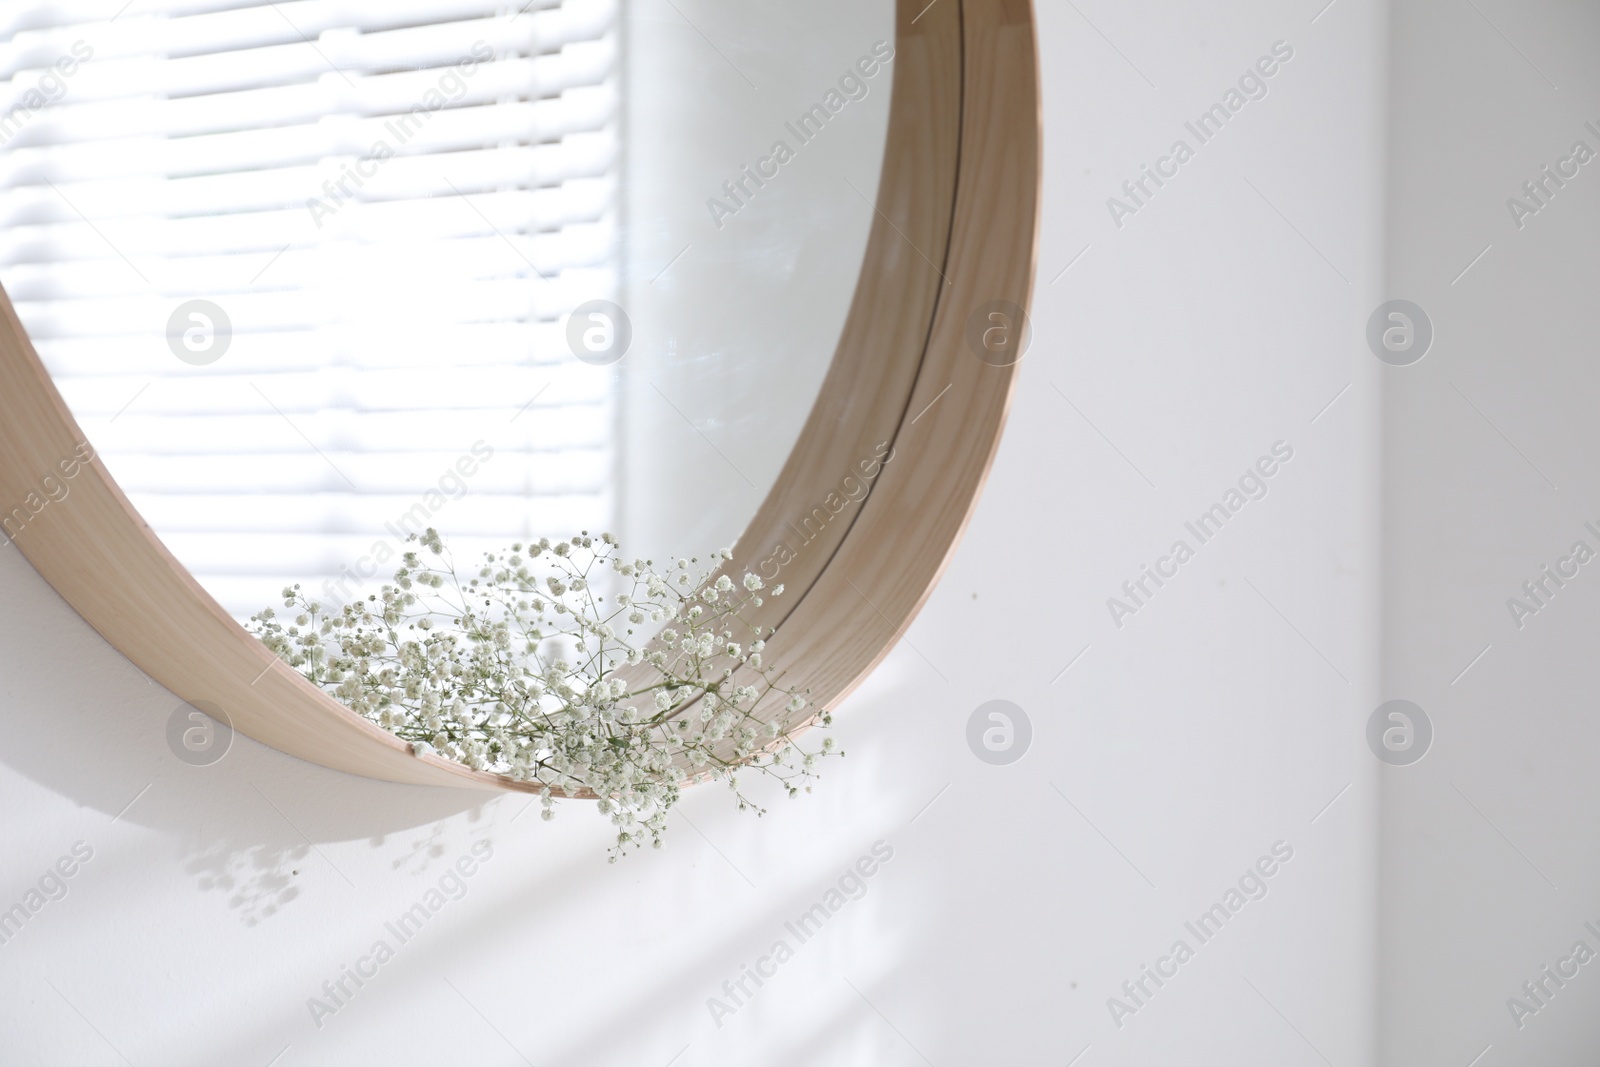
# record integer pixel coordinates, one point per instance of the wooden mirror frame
(955, 232)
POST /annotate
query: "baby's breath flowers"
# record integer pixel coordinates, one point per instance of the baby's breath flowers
(541, 667)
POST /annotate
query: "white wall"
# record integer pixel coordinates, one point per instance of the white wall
(1489, 865)
(1222, 718)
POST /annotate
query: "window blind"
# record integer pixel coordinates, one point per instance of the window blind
(393, 204)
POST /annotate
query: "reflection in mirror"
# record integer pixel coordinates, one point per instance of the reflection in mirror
(314, 276)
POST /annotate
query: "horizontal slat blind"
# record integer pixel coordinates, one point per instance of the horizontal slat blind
(416, 311)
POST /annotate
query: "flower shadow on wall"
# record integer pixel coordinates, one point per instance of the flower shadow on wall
(87, 725)
(258, 879)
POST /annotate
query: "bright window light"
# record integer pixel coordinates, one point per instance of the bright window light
(393, 204)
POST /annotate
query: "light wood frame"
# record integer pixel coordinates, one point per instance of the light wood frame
(955, 231)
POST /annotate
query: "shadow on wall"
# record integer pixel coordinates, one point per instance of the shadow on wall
(77, 722)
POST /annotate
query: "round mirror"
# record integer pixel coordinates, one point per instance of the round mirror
(292, 282)
(314, 278)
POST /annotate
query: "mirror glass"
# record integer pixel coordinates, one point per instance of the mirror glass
(314, 276)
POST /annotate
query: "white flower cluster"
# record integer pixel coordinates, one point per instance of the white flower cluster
(528, 670)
